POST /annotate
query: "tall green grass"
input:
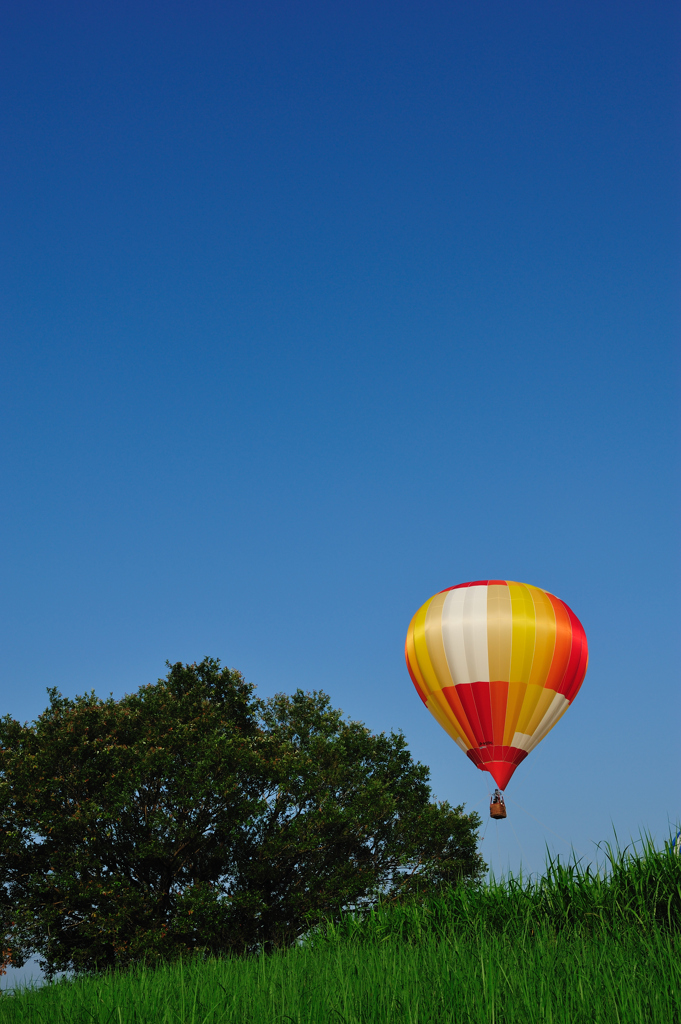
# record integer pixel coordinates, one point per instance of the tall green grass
(638, 887)
(574, 946)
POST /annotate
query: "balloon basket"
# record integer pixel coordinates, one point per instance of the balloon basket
(497, 807)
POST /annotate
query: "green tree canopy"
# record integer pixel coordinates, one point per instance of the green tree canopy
(192, 817)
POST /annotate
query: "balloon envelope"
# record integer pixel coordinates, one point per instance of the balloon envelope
(497, 663)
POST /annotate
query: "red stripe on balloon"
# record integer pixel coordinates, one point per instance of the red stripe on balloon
(499, 696)
(499, 761)
(479, 583)
(572, 680)
(465, 694)
(581, 671)
(483, 703)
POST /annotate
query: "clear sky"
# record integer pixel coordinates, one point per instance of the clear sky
(312, 309)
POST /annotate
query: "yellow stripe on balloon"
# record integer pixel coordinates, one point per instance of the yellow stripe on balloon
(411, 655)
(421, 649)
(514, 702)
(448, 723)
(530, 701)
(522, 653)
(499, 632)
(555, 713)
(544, 636)
(433, 635)
(432, 683)
(522, 649)
(544, 644)
(540, 709)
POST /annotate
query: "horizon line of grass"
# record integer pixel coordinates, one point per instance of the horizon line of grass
(633, 887)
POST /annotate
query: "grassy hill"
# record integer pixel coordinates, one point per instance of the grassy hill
(573, 946)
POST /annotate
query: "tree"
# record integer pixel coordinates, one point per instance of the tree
(191, 817)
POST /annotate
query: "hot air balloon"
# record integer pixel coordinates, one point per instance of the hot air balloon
(497, 664)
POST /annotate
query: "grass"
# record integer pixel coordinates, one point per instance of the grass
(574, 946)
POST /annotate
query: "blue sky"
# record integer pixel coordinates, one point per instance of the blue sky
(310, 310)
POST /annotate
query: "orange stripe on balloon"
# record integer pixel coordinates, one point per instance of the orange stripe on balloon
(561, 653)
(442, 714)
(459, 713)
